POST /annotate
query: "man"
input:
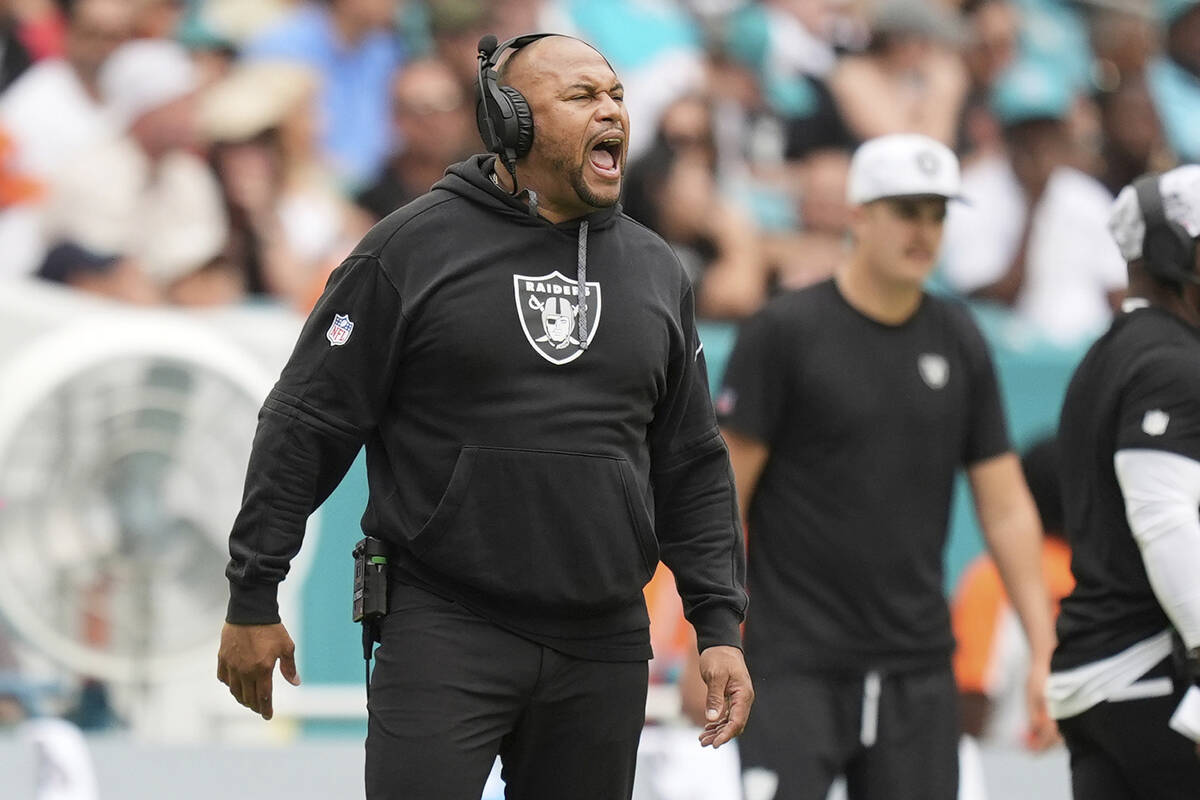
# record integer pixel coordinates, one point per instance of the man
(143, 192)
(1130, 433)
(431, 117)
(53, 112)
(1033, 238)
(525, 491)
(352, 44)
(847, 408)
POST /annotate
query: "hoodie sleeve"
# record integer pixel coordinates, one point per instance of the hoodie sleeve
(699, 533)
(311, 426)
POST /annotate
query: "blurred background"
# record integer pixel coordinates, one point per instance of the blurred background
(179, 177)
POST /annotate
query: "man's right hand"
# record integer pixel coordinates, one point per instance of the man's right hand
(246, 663)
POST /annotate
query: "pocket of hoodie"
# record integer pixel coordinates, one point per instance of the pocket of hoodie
(542, 528)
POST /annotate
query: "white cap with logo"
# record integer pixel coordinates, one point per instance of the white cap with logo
(1180, 190)
(902, 165)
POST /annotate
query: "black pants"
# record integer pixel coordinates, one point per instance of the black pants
(1127, 751)
(808, 728)
(451, 691)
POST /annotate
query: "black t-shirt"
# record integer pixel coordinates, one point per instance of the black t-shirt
(1137, 388)
(867, 424)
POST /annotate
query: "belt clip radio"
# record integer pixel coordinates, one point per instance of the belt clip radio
(370, 589)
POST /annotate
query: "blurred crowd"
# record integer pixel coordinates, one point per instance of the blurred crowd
(203, 152)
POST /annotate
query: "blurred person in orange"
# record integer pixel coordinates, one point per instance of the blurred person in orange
(353, 46)
(433, 121)
(910, 79)
(991, 659)
(525, 494)
(290, 223)
(848, 408)
(143, 192)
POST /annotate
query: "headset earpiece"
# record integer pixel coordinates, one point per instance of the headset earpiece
(1167, 249)
(502, 113)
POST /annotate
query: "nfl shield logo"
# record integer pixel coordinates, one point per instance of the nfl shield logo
(548, 308)
(935, 370)
(339, 331)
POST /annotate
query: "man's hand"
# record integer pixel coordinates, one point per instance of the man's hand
(730, 694)
(247, 659)
(1043, 731)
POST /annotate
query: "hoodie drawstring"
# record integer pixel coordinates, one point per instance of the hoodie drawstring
(581, 280)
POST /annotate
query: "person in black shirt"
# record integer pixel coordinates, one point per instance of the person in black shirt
(847, 408)
(1130, 435)
(535, 442)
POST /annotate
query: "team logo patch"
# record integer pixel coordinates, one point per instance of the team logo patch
(548, 307)
(927, 163)
(934, 369)
(1155, 422)
(339, 331)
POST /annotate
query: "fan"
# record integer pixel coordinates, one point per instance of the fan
(124, 439)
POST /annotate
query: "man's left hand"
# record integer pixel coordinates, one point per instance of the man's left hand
(730, 694)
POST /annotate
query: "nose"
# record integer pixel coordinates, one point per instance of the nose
(608, 108)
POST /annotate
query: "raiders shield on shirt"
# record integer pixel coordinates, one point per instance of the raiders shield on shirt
(1137, 388)
(867, 424)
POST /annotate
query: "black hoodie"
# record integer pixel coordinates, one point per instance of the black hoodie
(526, 471)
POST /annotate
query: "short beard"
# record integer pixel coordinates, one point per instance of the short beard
(574, 173)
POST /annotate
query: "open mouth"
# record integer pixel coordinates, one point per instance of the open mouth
(605, 156)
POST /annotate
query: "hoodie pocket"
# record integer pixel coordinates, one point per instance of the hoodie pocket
(542, 528)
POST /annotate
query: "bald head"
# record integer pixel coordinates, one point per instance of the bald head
(550, 53)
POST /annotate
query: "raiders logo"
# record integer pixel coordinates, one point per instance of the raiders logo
(548, 307)
(934, 369)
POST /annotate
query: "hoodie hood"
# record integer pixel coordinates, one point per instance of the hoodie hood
(472, 179)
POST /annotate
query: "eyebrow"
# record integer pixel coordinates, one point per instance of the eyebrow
(591, 87)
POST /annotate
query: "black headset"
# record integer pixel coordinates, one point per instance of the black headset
(501, 112)
(1167, 249)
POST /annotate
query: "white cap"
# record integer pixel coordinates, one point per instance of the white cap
(143, 75)
(1180, 190)
(902, 165)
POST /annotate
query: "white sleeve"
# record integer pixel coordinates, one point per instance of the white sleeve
(1162, 503)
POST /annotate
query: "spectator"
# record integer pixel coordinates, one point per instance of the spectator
(812, 253)
(290, 225)
(991, 661)
(654, 47)
(112, 276)
(673, 191)
(992, 43)
(456, 27)
(157, 19)
(434, 119)
(910, 79)
(142, 193)
(1175, 78)
(1132, 137)
(353, 46)
(54, 109)
(1034, 235)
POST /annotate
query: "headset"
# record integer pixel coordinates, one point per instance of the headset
(501, 112)
(1167, 249)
